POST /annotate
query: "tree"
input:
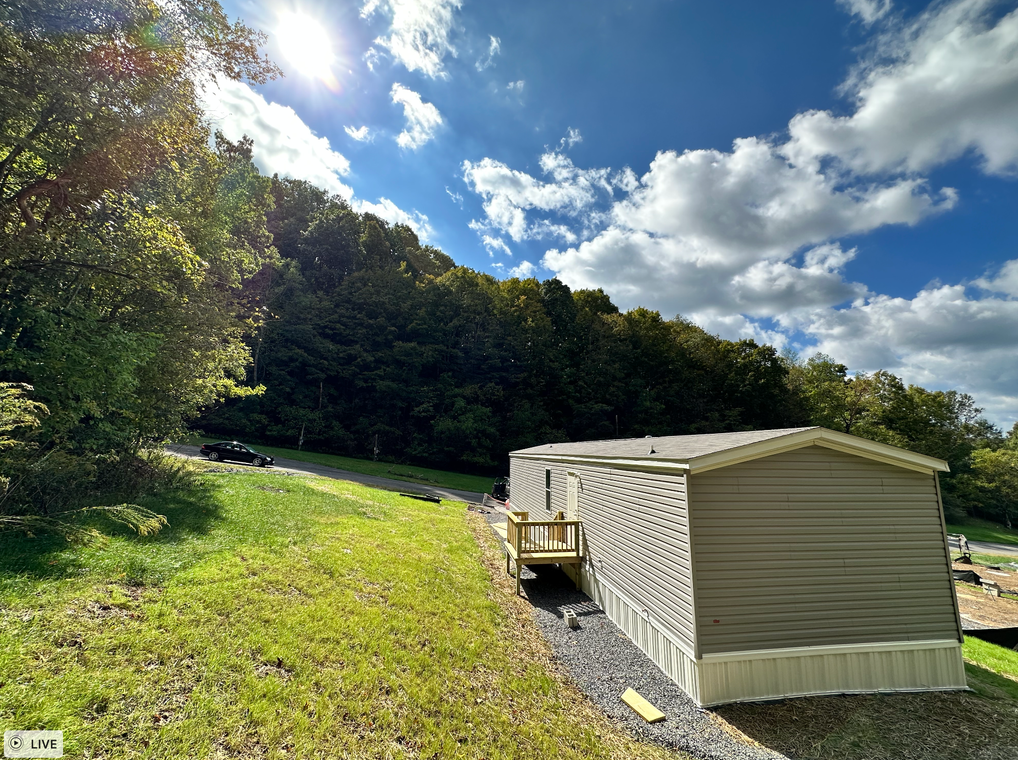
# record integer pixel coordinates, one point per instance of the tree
(128, 245)
(999, 469)
(94, 95)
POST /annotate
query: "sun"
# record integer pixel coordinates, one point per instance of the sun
(305, 44)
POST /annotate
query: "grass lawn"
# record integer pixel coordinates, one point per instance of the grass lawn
(994, 658)
(975, 529)
(285, 616)
(409, 473)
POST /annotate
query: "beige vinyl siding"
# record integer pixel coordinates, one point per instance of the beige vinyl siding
(526, 486)
(838, 670)
(817, 547)
(636, 535)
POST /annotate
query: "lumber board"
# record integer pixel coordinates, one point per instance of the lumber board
(642, 707)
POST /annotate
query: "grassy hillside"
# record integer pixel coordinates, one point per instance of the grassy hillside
(283, 616)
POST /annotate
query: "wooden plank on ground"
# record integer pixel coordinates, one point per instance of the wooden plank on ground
(642, 707)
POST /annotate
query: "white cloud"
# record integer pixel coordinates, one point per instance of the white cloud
(419, 34)
(572, 137)
(509, 193)
(943, 337)
(867, 10)
(422, 119)
(516, 86)
(495, 244)
(283, 143)
(745, 241)
(361, 134)
(524, 270)
(393, 214)
(493, 49)
(710, 234)
(1005, 282)
(456, 197)
(936, 89)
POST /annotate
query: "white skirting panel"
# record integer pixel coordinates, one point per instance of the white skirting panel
(847, 669)
(666, 654)
(779, 673)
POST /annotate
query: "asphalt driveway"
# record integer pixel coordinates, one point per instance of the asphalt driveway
(987, 547)
(389, 484)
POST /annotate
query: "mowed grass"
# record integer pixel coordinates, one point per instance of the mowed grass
(975, 529)
(409, 473)
(283, 616)
(994, 658)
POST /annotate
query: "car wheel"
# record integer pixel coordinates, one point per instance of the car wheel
(258, 462)
(214, 456)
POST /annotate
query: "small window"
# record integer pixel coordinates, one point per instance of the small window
(547, 490)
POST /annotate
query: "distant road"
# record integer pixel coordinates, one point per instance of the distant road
(987, 547)
(292, 465)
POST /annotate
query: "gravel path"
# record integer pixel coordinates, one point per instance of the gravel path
(604, 663)
(967, 624)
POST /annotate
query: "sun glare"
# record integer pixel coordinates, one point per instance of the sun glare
(305, 44)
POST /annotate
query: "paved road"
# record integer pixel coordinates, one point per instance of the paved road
(292, 465)
(987, 547)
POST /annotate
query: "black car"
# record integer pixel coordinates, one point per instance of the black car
(237, 452)
(500, 489)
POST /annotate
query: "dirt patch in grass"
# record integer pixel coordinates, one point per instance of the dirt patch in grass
(997, 612)
(975, 604)
(276, 668)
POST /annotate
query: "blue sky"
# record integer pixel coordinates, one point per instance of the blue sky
(830, 175)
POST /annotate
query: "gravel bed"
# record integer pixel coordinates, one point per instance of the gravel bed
(604, 662)
(492, 515)
(972, 625)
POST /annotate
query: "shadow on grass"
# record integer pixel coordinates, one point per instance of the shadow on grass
(190, 512)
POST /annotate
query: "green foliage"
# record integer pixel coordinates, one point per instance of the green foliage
(130, 248)
(17, 411)
(94, 95)
(49, 491)
(373, 339)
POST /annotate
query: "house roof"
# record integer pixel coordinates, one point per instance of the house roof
(698, 453)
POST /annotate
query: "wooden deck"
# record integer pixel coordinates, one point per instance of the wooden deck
(540, 542)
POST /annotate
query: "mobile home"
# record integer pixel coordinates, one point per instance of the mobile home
(758, 565)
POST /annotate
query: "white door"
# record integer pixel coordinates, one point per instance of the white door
(572, 496)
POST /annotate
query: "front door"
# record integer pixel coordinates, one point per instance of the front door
(572, 496)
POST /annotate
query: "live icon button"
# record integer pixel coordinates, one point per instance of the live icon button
(33, 743)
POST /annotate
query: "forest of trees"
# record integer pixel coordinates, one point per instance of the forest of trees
(152, 279)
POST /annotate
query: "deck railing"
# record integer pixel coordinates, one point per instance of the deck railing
(536, 537)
